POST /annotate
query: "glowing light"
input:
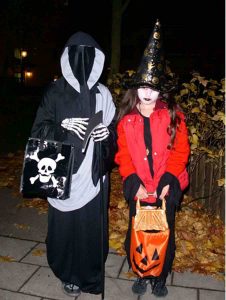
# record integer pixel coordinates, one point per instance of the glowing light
(23, 53)
(28, 74)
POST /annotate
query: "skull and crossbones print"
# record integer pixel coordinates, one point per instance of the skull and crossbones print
(46, 168)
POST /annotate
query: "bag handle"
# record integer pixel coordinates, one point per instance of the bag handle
(151, 194)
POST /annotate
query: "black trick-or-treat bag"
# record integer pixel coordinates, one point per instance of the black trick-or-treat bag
(47, 169)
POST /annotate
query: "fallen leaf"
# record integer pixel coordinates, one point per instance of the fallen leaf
(38, 252)
(22, 226)
(6, 259)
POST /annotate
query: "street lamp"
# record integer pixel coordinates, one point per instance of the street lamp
(23, 54)
(27, 75)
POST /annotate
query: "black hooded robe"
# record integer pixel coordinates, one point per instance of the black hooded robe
(74, 231)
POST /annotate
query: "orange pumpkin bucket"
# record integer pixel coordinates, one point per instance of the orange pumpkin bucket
(148, 249)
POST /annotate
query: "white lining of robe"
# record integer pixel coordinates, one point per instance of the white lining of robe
(82, 187)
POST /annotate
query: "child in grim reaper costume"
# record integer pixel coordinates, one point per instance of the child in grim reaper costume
(153, 151)
(74, 227)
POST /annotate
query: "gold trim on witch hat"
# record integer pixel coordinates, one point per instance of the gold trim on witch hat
(152, 68)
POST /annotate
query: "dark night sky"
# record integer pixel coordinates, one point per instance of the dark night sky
(194, 30)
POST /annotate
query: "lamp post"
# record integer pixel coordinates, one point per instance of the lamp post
(27, 76)
(23, 54)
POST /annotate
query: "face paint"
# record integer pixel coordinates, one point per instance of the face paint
(147, 95)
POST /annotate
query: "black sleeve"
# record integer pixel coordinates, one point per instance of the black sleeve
(175, 192)
(45, 125)
(108, 150)
(130, 186)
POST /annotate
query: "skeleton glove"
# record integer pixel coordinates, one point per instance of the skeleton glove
(100, 133)
(76, 125)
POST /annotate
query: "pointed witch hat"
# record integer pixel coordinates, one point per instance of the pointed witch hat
(153, 70)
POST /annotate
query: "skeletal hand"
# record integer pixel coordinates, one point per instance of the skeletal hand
(100, 133)
(76, 125)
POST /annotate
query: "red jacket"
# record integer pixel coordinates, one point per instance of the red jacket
(131, 156)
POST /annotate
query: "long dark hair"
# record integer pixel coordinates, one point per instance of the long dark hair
(175, 119)
(130, 100)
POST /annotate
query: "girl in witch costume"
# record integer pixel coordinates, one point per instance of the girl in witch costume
(153, 151)
(74, 226)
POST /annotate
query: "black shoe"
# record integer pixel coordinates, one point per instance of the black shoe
(71, 289)
(140, 286)
(159, 288)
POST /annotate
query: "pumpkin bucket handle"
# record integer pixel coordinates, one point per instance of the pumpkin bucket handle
(154, 207)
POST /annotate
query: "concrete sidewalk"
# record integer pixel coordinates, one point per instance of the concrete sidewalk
(28, 277)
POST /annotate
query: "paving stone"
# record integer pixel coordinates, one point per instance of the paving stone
(6, 295)
(44, 284)
(15, 248)
(14, 274)
(85, 296)
(113, 265)
(211, 295)
(116, 289)
(125, 273)
(189, 279)
(37, 256)
(35, 225)
(174, 293)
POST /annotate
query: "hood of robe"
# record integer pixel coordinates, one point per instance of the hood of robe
(82, 61)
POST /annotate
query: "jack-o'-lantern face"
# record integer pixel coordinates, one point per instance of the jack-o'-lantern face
(147, 251)
(146, 264)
